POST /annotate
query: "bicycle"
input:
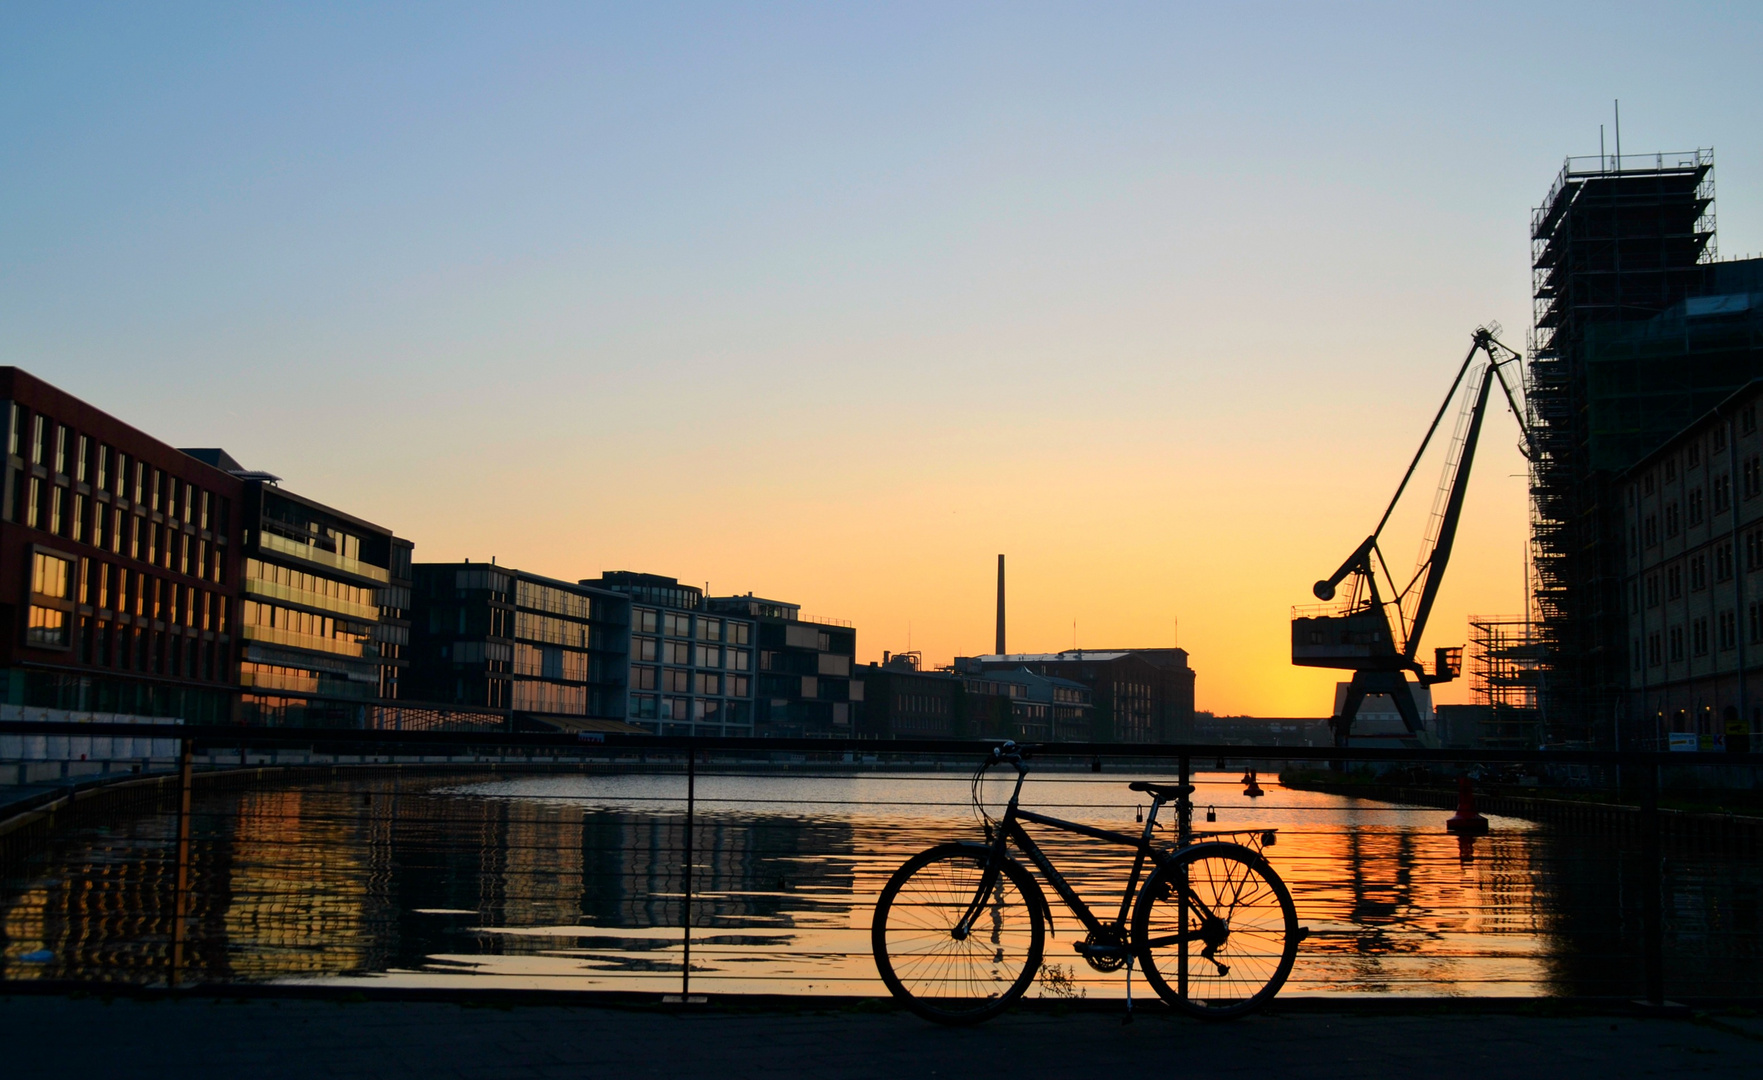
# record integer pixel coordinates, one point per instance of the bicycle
(959, 935)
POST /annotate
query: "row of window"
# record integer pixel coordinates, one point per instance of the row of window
(651, 650)
(300, 581)
(530, 594)
(66, 513)
(102, 643)
(59, 450)
(1747, 425)
(682, 681)
(650, 707)
(58, 582)
(304, 629)
(680, 625)
(1703, 637)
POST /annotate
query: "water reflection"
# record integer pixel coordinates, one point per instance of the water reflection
(576, 882)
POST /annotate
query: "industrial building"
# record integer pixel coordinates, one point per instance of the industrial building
(1693, 574)
(1137, 695)
(901, 701)
(1637, 332)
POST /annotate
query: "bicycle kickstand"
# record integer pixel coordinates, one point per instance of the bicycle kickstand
(1127, 1019)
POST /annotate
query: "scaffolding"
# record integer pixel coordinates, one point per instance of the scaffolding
(1619, 239)
(1505, 672)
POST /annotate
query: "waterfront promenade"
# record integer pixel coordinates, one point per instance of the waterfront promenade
(58, 1037)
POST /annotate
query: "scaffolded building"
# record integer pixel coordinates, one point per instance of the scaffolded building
(1505, 667)
(1620, 241)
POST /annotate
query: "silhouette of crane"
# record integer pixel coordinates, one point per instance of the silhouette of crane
(1376, 636)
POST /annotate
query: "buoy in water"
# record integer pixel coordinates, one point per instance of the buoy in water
(1466, 820)
(1250, 787)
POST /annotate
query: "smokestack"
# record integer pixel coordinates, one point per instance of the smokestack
(1000, 649)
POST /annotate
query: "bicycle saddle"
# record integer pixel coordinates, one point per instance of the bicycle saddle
(1166, 792)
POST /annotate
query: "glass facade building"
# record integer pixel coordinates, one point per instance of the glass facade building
(538, 649)
(316, 585)
(803, 682)
(691, 669)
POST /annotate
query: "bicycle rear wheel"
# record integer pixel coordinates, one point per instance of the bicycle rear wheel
(935, 974)
(1216, 931)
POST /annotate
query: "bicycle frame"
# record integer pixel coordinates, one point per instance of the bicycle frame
(1010, 831)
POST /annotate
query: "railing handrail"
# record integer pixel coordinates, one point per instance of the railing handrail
(233, 735)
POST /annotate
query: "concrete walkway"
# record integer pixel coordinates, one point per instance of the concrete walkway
(62, 1038)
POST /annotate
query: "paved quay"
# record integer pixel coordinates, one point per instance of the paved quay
(71, 1037)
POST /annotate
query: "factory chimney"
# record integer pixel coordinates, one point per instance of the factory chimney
(1000, 605)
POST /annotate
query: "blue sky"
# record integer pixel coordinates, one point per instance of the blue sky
(834, 302)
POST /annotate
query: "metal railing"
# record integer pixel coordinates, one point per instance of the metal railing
(682, 866)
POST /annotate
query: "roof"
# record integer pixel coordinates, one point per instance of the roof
(1750, 389)
(1070, 656)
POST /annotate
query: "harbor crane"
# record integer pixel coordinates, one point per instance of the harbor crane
(1373, 632)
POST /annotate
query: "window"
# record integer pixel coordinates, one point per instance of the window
(679, 652)
(1720, 438)
(1754, 622)
(79, 465)
(709, 683)
(1723, 562)
(1673, 582)
(1698, 573)
(1670, 469)
(101, 480)
(709, 656)
(737, 685)
(739, 659)
(79, 518)
(1747, 420)
(1753, 550)
(644, 648)
(1753, 476)
(679, 625)
(49, 623)
(642, 678)
(676, 680)
(1727, 627)
(1676, 639)
(643, 705)
(1699, 637)
(1650, 530)
(1695, 454)
(1670, 520)
(1654, 659)
(1722, 493)
(709, 629)
(643, 621)
(740, 633)
(1695, 506)
(1647, 484)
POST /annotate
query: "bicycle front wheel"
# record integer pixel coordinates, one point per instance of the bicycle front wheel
(958, 979)
(1216, 931)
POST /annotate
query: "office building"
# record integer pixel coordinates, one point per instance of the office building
(1638, 329)
(119, 564)
(1693, 576)
(1137, 695)
(691, 669)
(540, 651)
(320, 641)
(803, 686)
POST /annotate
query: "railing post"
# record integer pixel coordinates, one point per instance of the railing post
(1652, 888)
(686, 872)
(180, 903)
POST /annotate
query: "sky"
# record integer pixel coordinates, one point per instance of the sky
(835, 303)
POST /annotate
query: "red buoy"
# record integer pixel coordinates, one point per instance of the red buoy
(1466, 820)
